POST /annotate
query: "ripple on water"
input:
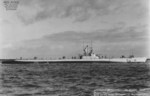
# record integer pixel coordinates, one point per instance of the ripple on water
(71, 79)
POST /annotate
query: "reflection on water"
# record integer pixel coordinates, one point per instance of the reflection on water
(71, 79)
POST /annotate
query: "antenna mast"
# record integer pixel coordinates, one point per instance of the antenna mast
(83, 44)
(91, 44)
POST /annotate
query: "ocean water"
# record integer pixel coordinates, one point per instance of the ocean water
(75, 79)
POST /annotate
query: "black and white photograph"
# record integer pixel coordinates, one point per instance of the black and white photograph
(74, 48)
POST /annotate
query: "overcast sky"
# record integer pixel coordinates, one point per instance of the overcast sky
(53, 28)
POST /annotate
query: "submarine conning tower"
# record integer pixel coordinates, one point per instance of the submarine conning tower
(88, 53)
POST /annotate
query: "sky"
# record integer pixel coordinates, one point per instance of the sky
(56, 28)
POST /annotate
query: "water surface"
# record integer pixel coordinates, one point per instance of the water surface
(75, 79)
